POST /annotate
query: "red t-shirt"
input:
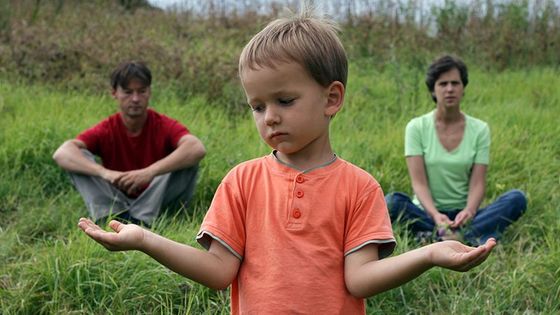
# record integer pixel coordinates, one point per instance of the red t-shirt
(120, 151)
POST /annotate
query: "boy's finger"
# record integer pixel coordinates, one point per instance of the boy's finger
(116, 225)
(479, 254)
(86, 223)
(477, 260)
(105, 238)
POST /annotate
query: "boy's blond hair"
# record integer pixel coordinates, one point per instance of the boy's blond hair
(305, 38)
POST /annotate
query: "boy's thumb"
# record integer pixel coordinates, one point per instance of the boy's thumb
(115, 225)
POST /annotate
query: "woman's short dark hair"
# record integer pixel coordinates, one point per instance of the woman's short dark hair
(442, 65)
(128, 71)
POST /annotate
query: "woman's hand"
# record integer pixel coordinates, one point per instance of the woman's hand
(442, 219)
(462, 218)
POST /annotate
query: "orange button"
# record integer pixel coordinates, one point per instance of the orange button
(299, 194)
(297, 214)
(299, 179)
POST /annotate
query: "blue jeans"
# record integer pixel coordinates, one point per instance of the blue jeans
(488, 222)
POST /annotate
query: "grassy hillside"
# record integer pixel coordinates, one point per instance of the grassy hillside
(47, 266)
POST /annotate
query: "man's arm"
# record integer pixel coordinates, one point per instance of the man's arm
(477, 186)
(70, 157)
(365, 275)
(417, 172)
(215, 268)
(189, 152)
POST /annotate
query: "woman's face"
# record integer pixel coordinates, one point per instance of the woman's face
(449, 89)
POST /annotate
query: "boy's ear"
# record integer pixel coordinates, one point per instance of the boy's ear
(114, 93)
(335, 98)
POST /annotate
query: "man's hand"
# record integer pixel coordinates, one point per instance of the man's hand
(462, 217)
(127, 236)
(459, 257)
(132, 181)
(111, 176)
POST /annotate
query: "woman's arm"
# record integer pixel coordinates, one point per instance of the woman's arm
(477, 187)
(417, 172)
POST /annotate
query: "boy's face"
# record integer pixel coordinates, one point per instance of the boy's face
(291, 110)
(133, 100)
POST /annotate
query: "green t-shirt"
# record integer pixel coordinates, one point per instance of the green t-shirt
(448, 172)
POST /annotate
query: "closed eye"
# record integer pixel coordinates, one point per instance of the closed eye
(257, 108)
(285, 101)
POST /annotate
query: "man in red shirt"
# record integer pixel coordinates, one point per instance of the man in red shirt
(149, 161)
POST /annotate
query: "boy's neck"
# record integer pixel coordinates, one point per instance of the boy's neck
(305, 165)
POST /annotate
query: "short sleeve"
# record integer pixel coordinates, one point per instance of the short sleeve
(172, 129)
(92, 136)
(224, 221)
(369, 223)
(176, 132)
(483, 146)
(413, 138)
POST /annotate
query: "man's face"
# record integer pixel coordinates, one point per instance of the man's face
(133, 100)
(448, 89)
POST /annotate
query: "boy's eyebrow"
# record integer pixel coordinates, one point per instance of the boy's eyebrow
(279, 93)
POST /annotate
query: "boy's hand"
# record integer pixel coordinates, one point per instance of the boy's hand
(459, 257)
(127, 236)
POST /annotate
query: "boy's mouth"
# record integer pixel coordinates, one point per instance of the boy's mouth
(277, 134)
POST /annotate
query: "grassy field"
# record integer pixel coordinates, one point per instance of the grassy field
(47, 266)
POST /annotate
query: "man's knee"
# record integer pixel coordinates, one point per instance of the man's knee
(88, 155)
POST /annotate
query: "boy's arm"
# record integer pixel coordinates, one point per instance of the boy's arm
(215, 268)
(365, 275)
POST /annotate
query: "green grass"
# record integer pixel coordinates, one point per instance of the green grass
(47, 266)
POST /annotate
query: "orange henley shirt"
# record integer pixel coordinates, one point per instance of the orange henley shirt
(292, 231)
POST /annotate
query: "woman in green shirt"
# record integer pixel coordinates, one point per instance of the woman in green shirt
(447, 154)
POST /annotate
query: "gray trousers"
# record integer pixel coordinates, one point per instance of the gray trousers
(103, 199)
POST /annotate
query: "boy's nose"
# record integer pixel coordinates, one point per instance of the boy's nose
(271, 117)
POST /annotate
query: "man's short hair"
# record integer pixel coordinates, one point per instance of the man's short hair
(128, 71)
(442, 65)
(306, 39)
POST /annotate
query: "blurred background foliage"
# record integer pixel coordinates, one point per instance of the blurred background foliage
(194, 47)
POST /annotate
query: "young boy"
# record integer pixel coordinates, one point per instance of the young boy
(299, 230)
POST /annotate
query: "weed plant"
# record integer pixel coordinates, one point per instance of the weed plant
(74, 44)
(55, 57)
(47, 266)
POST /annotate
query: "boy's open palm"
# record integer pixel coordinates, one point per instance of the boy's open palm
(459, 257)
(125, 237)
